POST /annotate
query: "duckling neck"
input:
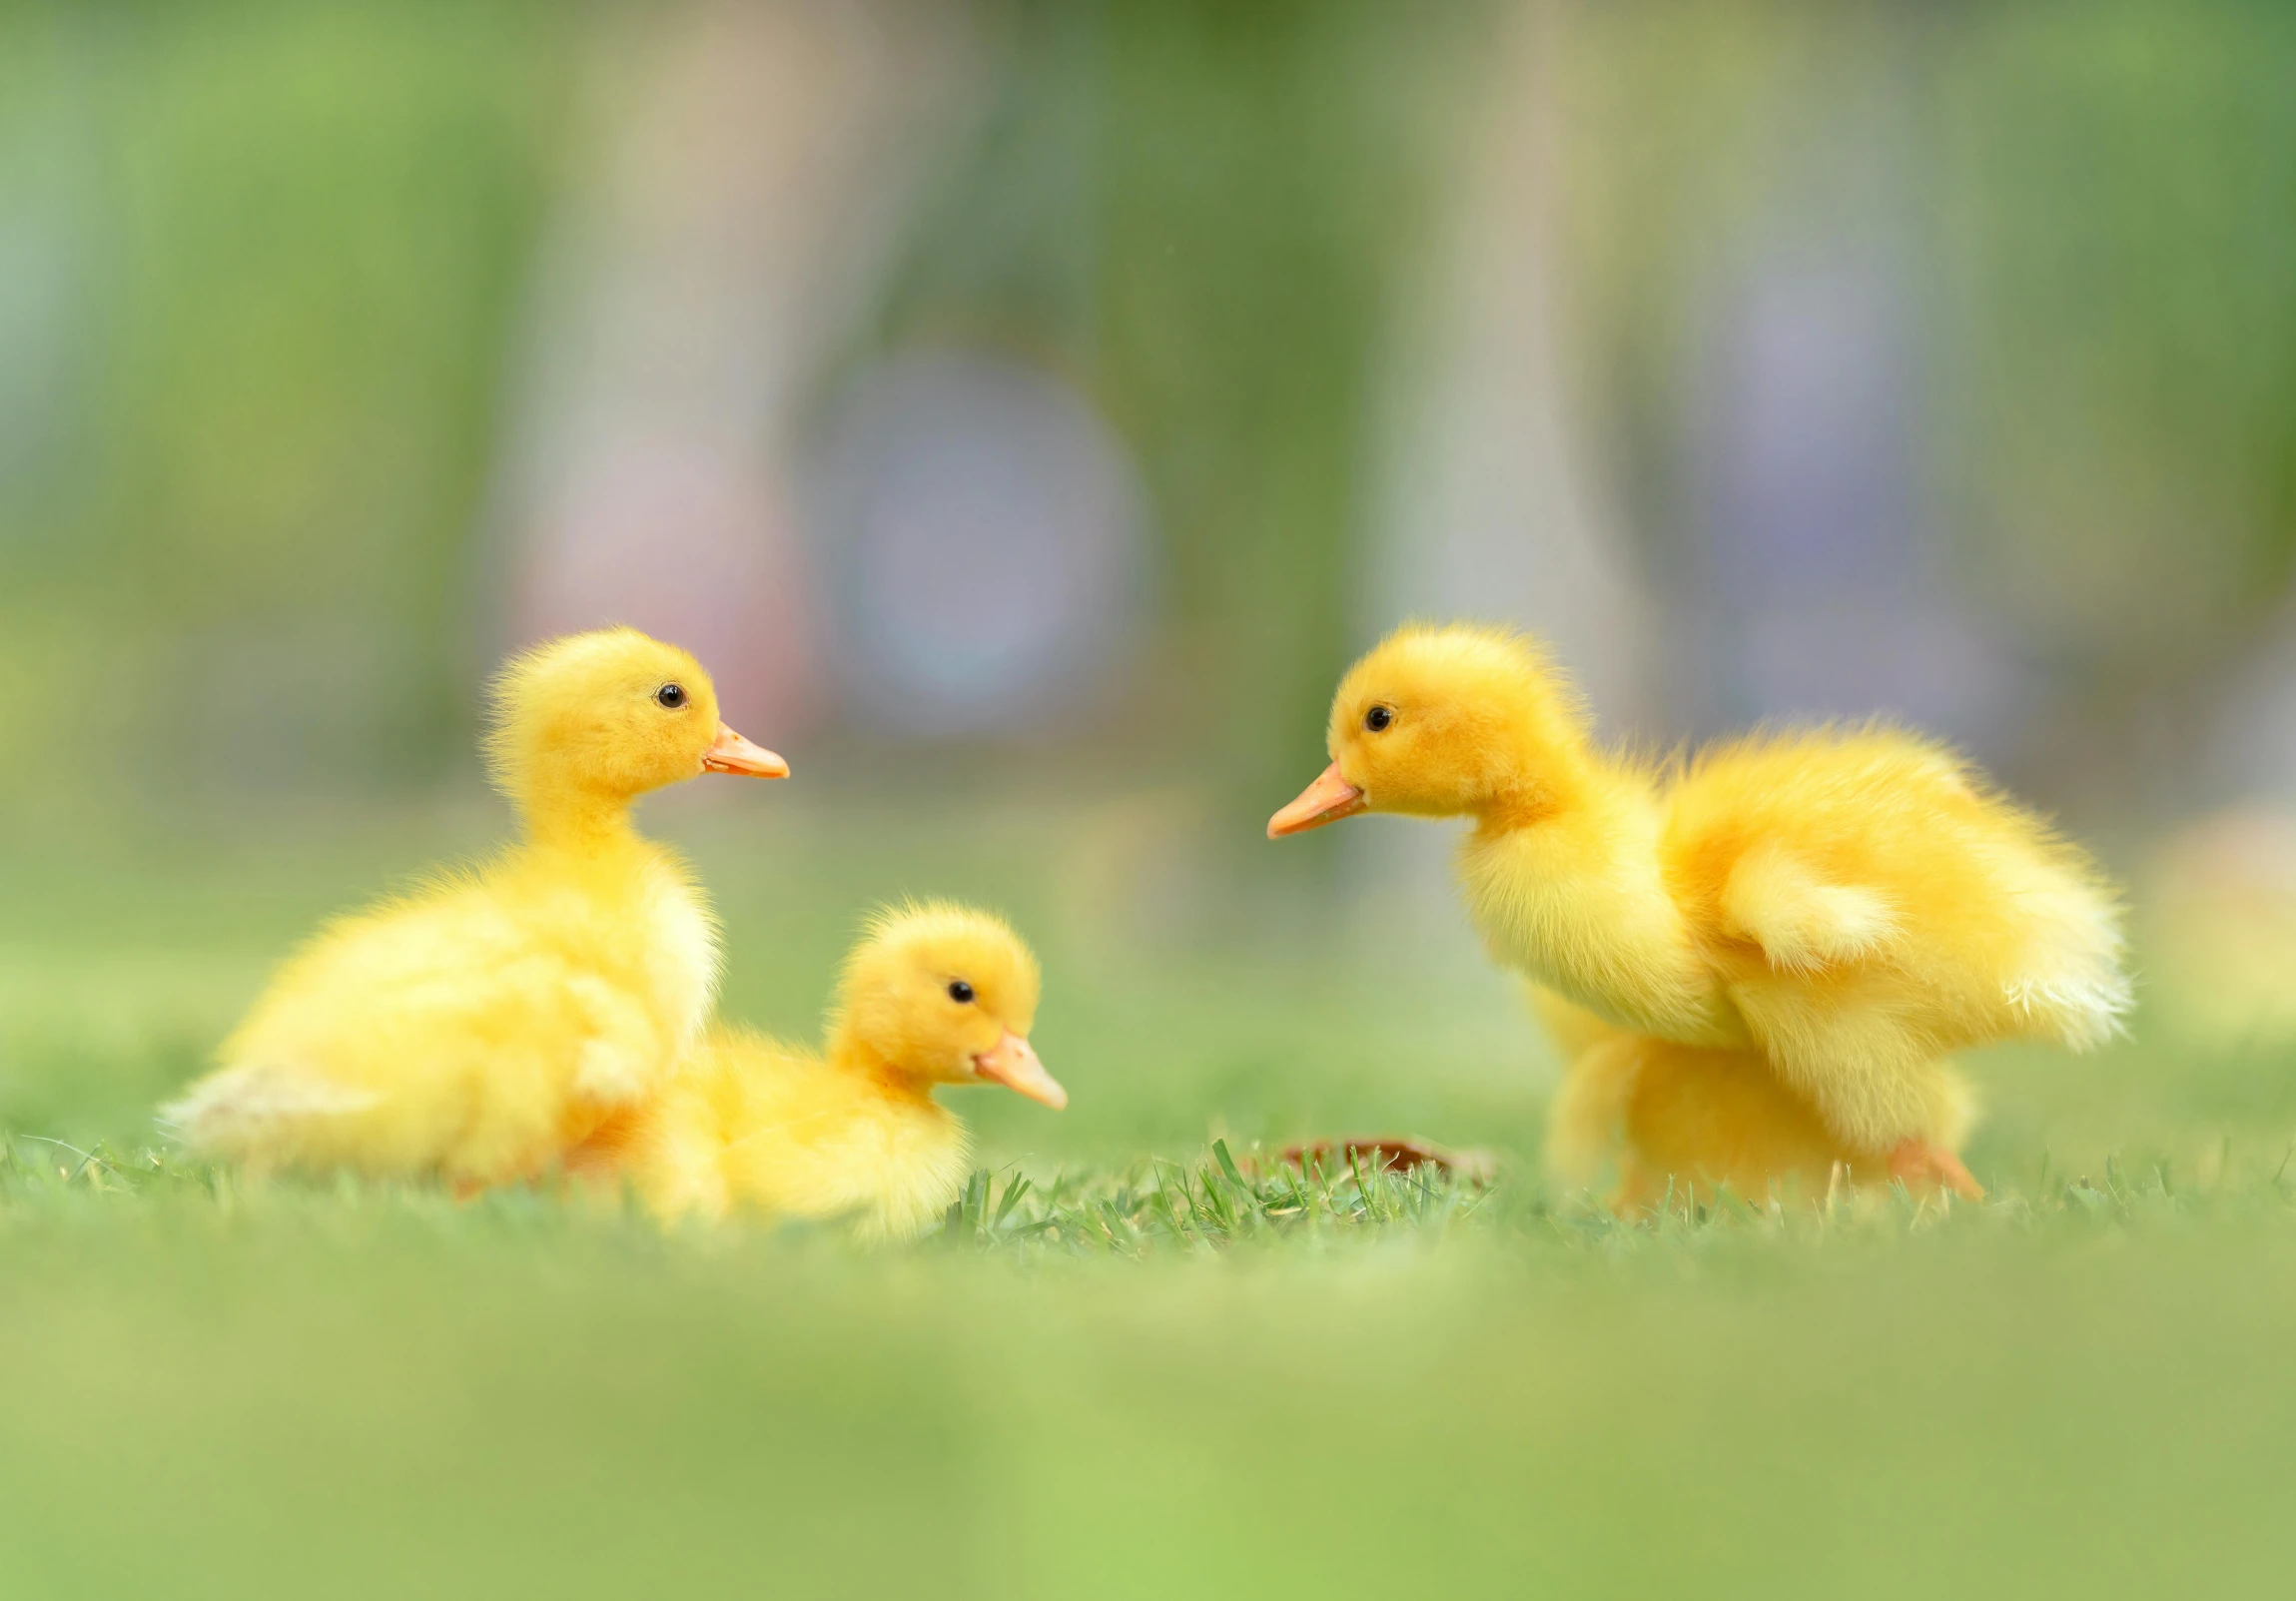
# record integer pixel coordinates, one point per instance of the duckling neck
(1567, 884)
(581, 820)
(885, 1080)
(1544, 766)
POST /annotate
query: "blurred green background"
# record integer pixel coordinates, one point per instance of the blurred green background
(1027, 410)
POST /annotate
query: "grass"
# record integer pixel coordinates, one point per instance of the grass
(1139, 1360)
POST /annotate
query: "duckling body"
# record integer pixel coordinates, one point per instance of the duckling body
(1850, 905)
(852, 1130)
(1855, 905)
(755, 1122)
(473, 1028)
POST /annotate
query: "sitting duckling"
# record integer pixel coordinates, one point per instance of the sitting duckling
(932, 995)
(1852, 903)
(475, 1028)
(1680, 1122)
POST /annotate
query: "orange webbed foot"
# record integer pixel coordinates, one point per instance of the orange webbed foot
(1920, 1163)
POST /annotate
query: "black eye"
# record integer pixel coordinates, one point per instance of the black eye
(671, 695)
(1378, 719)
(959, 991)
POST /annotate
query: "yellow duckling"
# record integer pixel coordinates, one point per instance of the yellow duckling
(1854, 904)
(474, 1028)
(933, 995)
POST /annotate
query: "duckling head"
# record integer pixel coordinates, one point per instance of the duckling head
(604, 717)
(943, 993)
(1447, 721)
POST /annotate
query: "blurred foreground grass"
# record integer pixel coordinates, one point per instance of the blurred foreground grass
(1144, 1375)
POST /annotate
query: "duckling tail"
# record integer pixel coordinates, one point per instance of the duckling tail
(256, 1109)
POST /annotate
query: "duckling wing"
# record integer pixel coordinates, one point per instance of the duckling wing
(1802, 921)
(1825, 852)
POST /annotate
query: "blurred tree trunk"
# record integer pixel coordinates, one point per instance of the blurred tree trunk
(1201, 210)
(1263, 188)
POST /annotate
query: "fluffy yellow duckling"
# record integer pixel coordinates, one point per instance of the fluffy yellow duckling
(1854, 904)
(475, 1028)
(933, 995)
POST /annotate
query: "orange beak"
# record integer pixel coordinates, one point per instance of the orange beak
(730, 753)
(1013, 1063)
(1326, 800)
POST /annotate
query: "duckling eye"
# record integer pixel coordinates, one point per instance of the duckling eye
(1378, 719)
(670, 695)
(959, 991)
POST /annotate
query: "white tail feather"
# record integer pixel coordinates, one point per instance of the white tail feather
(231, 1109)
(2086, 1011)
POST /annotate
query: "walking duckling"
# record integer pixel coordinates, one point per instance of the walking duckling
(1854, 904)
(474, 1028)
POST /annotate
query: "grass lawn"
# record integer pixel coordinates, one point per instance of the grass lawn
(1123, 1370)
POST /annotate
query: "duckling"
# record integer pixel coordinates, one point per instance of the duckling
(1680, 1122)
(1854, 904)
(475, 1028)
(933, 995)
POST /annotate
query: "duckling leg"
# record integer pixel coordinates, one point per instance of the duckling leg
(1638, 1190)
(1871, 1079)
(1586, 1122)
(1920, 1163)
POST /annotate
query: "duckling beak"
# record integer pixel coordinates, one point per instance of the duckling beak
(1326, 800)
(730, 753)
(1013, 1063)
